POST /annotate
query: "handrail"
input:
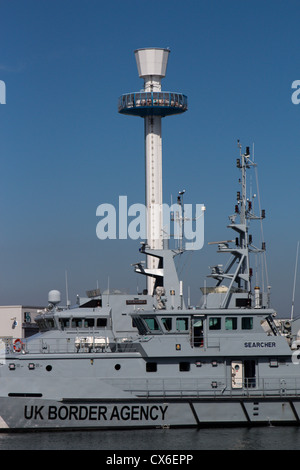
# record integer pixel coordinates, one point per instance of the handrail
(150, 99)
(169, 387)
(79, 343)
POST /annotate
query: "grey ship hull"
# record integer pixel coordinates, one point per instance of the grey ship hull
(86, 390)
(30, 414)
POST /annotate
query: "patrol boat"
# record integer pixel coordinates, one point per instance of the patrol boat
(229, 362)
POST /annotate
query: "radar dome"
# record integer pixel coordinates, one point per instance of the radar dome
(54, 297)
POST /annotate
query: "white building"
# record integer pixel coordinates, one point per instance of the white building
(17, 321)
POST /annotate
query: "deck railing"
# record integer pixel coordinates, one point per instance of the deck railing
(152, 99)
(185, 387)
(89, 343)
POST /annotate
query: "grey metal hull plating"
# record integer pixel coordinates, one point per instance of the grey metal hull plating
(31, 414)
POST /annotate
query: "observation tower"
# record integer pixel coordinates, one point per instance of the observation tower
(152, 104)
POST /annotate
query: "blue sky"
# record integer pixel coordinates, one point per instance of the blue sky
(64, 148)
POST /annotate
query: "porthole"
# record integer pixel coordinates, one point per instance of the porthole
(117, 366)
(48, 368)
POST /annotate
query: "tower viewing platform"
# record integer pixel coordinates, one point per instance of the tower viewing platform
(152, 103)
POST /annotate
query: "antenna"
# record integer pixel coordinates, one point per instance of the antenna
(108, 291)
(67, 290)
(295, 276)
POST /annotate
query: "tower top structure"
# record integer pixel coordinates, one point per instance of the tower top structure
(152, 62)
(152, 67)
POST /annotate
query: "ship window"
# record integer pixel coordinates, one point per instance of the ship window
(45, 324)
(182, 324)
(151, 367)
(77, 322)
(230, 323)
(64, 323)
(167, 322)
(184, 366)
(247, 323)
(89, 322)
(215, 323)
(50, 323)
(152, 323)
(102, 322)
(139, 324)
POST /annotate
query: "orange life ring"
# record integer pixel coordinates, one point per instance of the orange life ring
(18, 345)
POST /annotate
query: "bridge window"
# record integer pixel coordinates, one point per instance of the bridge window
(50, 323)
(215, 323)
(230, 323)
(182, 324)
(140, 325)
(152, 324)
(247, 323)
(89, 322)
(64, 323)
(167, 322)
(102, 322)
(76, 322)
(46, 324)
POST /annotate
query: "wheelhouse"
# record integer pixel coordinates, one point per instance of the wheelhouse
(201, 326)
(68, 321)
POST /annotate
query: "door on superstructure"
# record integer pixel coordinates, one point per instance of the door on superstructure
(197, 338)
(237, 374)
(243, 374)
(250, 373)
